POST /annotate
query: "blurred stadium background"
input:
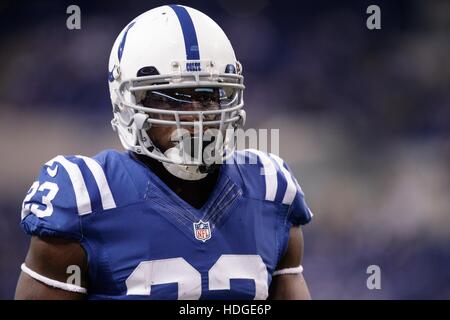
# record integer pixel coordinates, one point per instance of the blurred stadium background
(364, 120)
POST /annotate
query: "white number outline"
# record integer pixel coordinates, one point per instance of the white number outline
(46, 199)
(175, 270)
(237, 266)
(178, 270)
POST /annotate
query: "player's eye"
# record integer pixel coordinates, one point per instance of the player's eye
(156, 99)
(185, 98)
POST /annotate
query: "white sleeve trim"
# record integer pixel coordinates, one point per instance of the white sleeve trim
(51, 282)
(296, 270)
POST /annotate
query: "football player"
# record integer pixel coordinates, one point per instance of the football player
(180, 214)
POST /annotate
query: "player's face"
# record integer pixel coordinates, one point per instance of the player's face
(185, 99)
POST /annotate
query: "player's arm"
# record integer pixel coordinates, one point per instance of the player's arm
(290, 286)
(51, 258)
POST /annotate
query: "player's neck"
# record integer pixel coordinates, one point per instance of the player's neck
(195, 192)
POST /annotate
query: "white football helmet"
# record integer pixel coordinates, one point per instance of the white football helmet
(167, 48)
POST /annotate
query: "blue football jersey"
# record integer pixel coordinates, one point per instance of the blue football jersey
(144, 242)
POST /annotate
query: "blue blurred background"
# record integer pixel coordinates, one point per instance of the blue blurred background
(364, 119)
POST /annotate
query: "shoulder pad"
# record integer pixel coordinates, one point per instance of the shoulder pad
(266, 176)
(67, 188)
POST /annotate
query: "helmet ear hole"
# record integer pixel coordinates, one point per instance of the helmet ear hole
(147, 71)
(230, 69)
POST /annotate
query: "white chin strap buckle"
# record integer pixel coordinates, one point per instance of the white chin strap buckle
(185, 172)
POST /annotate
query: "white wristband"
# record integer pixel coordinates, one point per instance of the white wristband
(51, 282)
(296, 270)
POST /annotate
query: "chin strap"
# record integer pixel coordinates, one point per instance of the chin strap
(184, 172)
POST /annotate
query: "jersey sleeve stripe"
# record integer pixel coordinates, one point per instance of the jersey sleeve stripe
(270, 174)
(79, 186)
(291, 189)
(102, 183)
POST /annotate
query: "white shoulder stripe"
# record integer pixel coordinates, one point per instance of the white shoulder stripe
(291, 189)
(100, 178)
(270, 174)
(79, 186)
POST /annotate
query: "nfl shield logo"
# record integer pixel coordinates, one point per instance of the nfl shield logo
(202, 231)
